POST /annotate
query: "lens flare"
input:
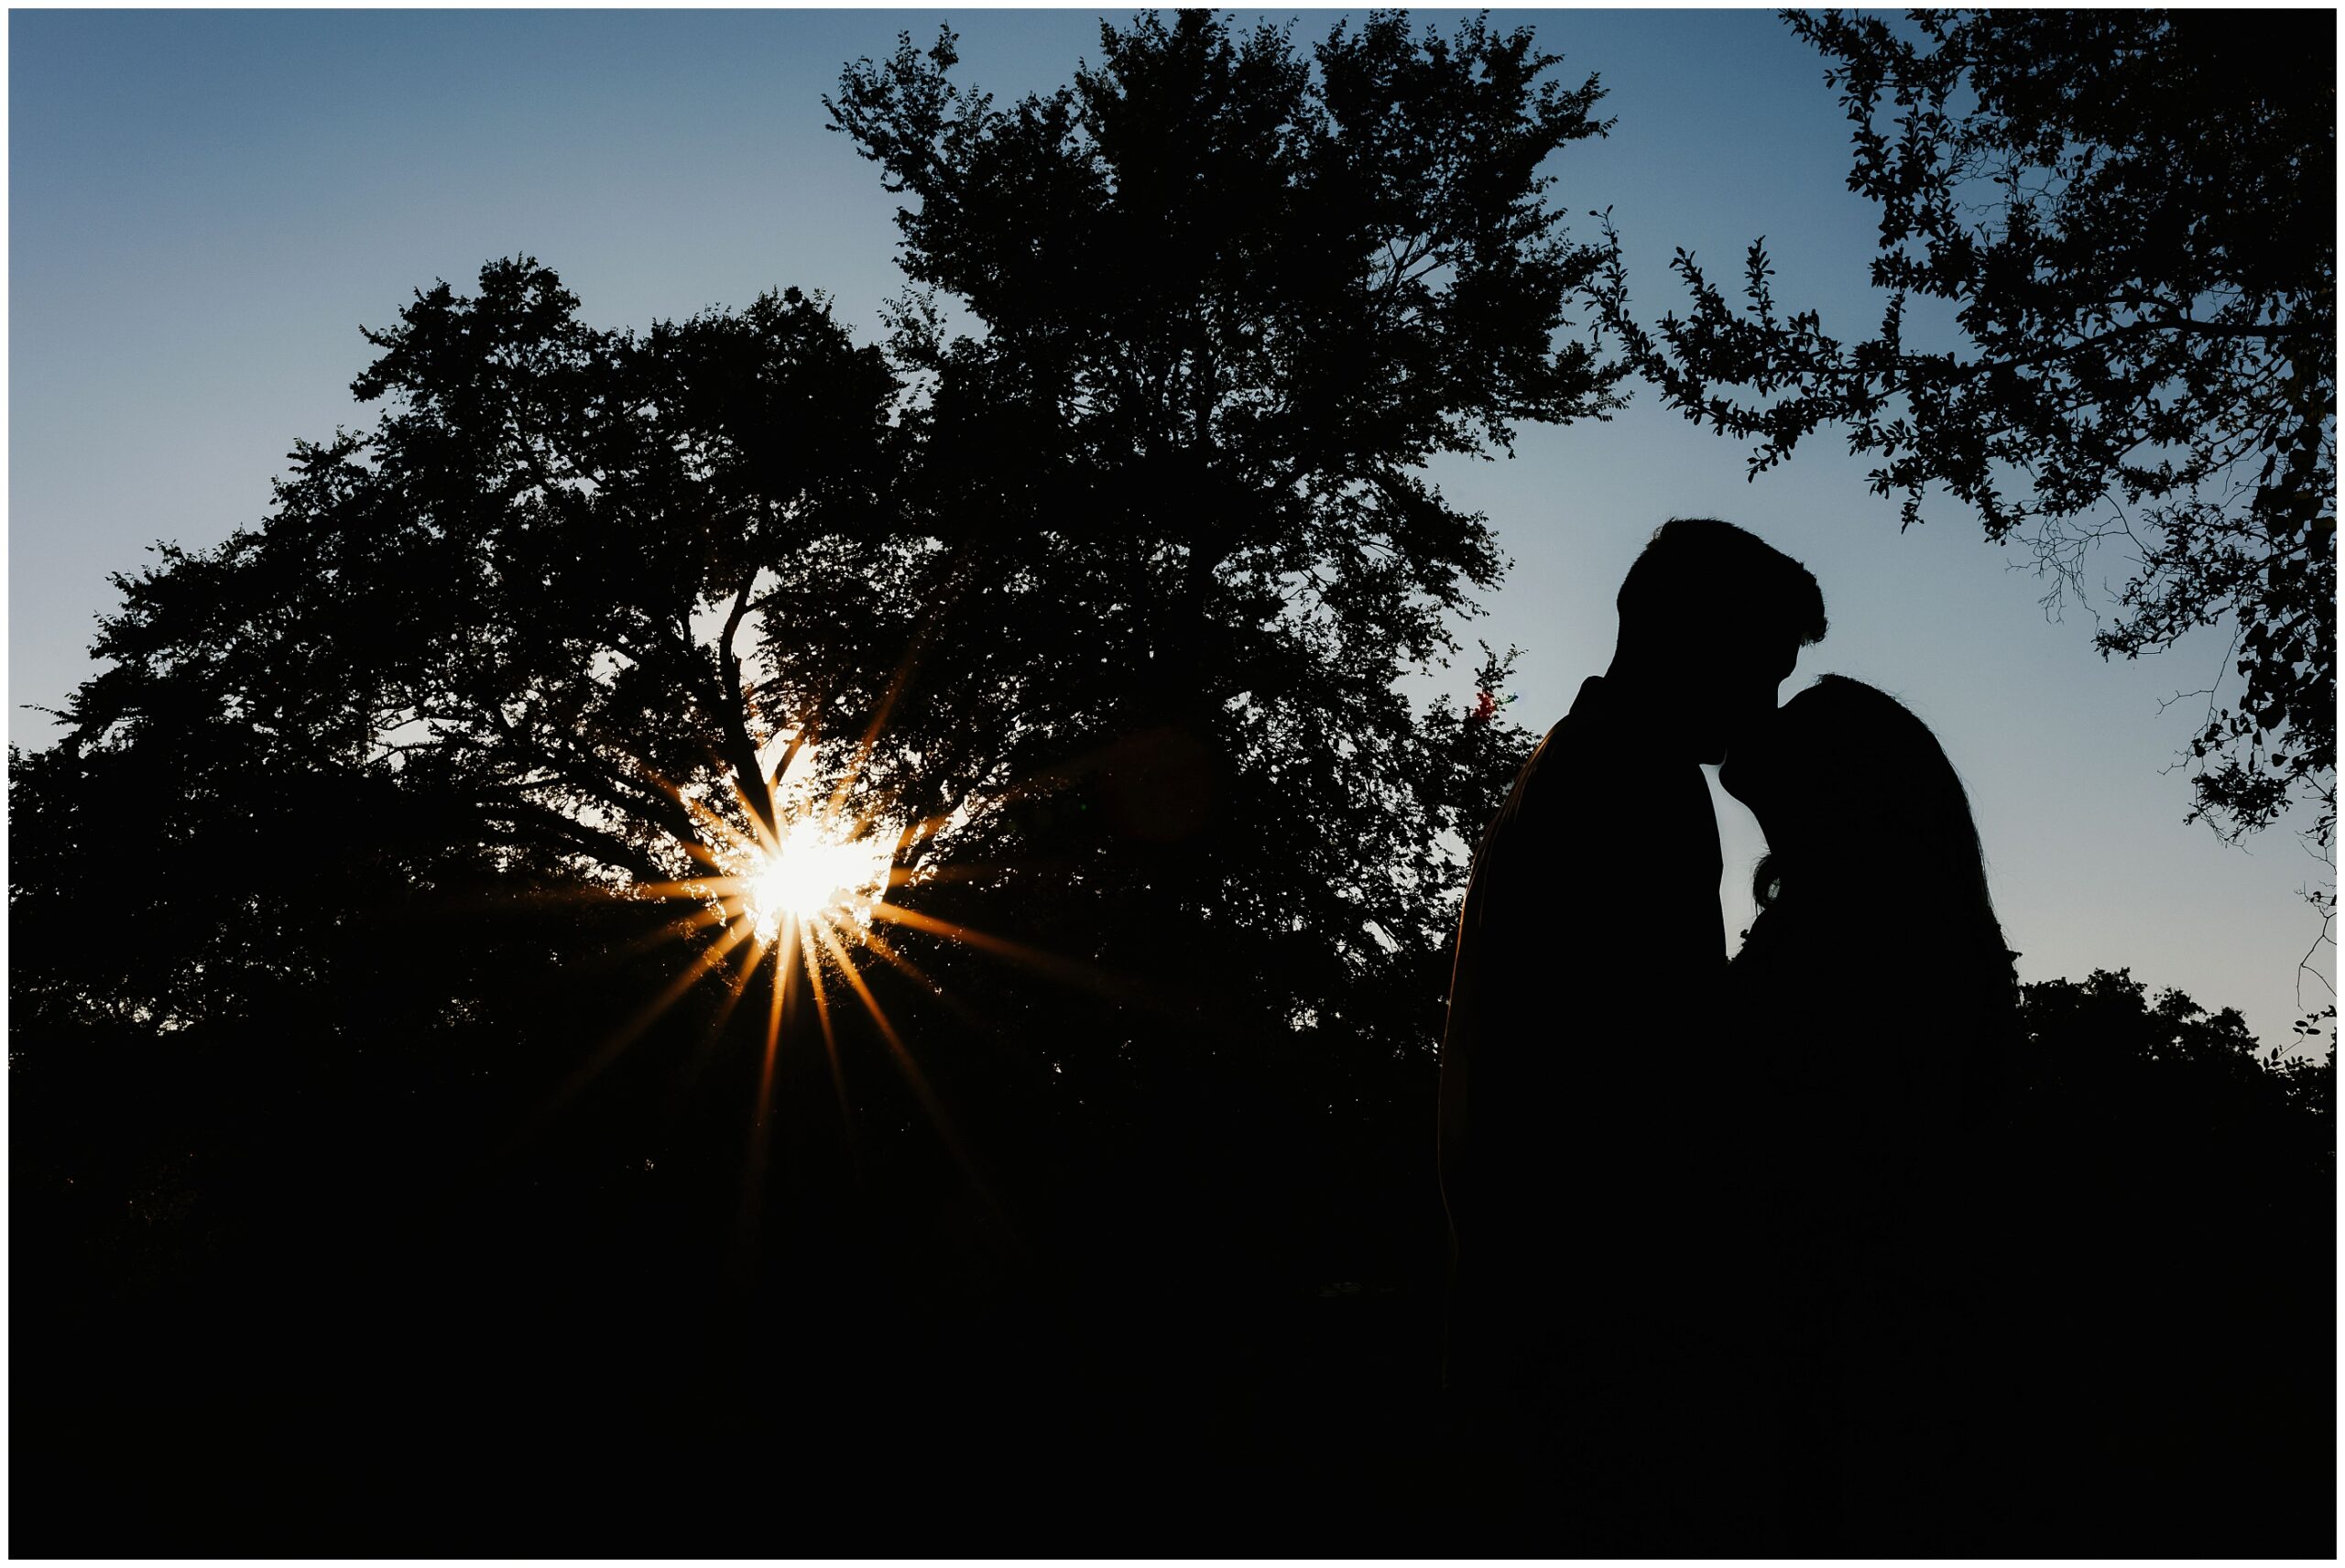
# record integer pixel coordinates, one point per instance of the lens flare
(813, 873)
(789, 884)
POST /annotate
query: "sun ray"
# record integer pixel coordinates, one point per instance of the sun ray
(896, 683)
(935, 989)
(752, 1173)
(914, 1077)
(855, 980)
(681, 929)
(784, 967)
(689, 888)
(618, 1039)
(898, 875)
(928, 828)
(813, 965)
(713, 1036)
(762, 836)
(730, 836)
(777, 1002)
(736, 932)
(1065, 970)
(703, 852)
(887, 950)
(739, 985)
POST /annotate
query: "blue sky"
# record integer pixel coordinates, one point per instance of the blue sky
(205, 206)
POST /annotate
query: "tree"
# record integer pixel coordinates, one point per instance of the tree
(2162, 1208)
(2161, 1070)
(329, 897)
(1225, 299)
(1085, 621)
(502, 624)
(2131, 214)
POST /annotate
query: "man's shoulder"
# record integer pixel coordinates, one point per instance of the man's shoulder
(1587, 784)
(1589, 748)
(1581, 728)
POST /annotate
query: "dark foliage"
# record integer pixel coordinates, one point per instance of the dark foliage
(2161, 1070)
(2162, 1286)
(2130, 216)
(363, 1205)
(333, 1029)
(1227, 303)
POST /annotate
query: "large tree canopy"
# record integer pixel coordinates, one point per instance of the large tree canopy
(504, 624)
(1089, 617)
(2131, 217)
(1224, 300)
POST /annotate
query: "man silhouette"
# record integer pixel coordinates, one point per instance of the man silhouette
(1597, 1383)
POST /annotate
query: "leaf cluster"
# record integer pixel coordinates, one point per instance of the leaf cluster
(2168, 1071)
(1098, 607)
(1221, 299)
(496, 629)
(2130, 217)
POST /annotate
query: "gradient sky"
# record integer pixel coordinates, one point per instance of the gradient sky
(204, 207)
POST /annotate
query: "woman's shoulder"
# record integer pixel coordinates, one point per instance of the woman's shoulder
(1792, 931)
(1873, 969)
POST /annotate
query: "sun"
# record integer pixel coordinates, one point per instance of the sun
(814, 872)
(797, 888)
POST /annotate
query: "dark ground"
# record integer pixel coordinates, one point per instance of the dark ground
(335, 1333)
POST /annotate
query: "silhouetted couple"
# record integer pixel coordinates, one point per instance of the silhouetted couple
(1712, 1222)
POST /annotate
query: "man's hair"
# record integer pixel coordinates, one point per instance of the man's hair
(1698, 569)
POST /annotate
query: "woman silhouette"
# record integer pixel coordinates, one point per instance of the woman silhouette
(1871, 1008)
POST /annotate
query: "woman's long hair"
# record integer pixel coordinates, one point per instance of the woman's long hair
(1868, 792)
(1878, 845)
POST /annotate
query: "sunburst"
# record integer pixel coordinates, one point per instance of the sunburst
(814, 872)
(792, 888)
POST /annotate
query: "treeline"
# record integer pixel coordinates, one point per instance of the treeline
(345, 1250)
(391, 1177)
